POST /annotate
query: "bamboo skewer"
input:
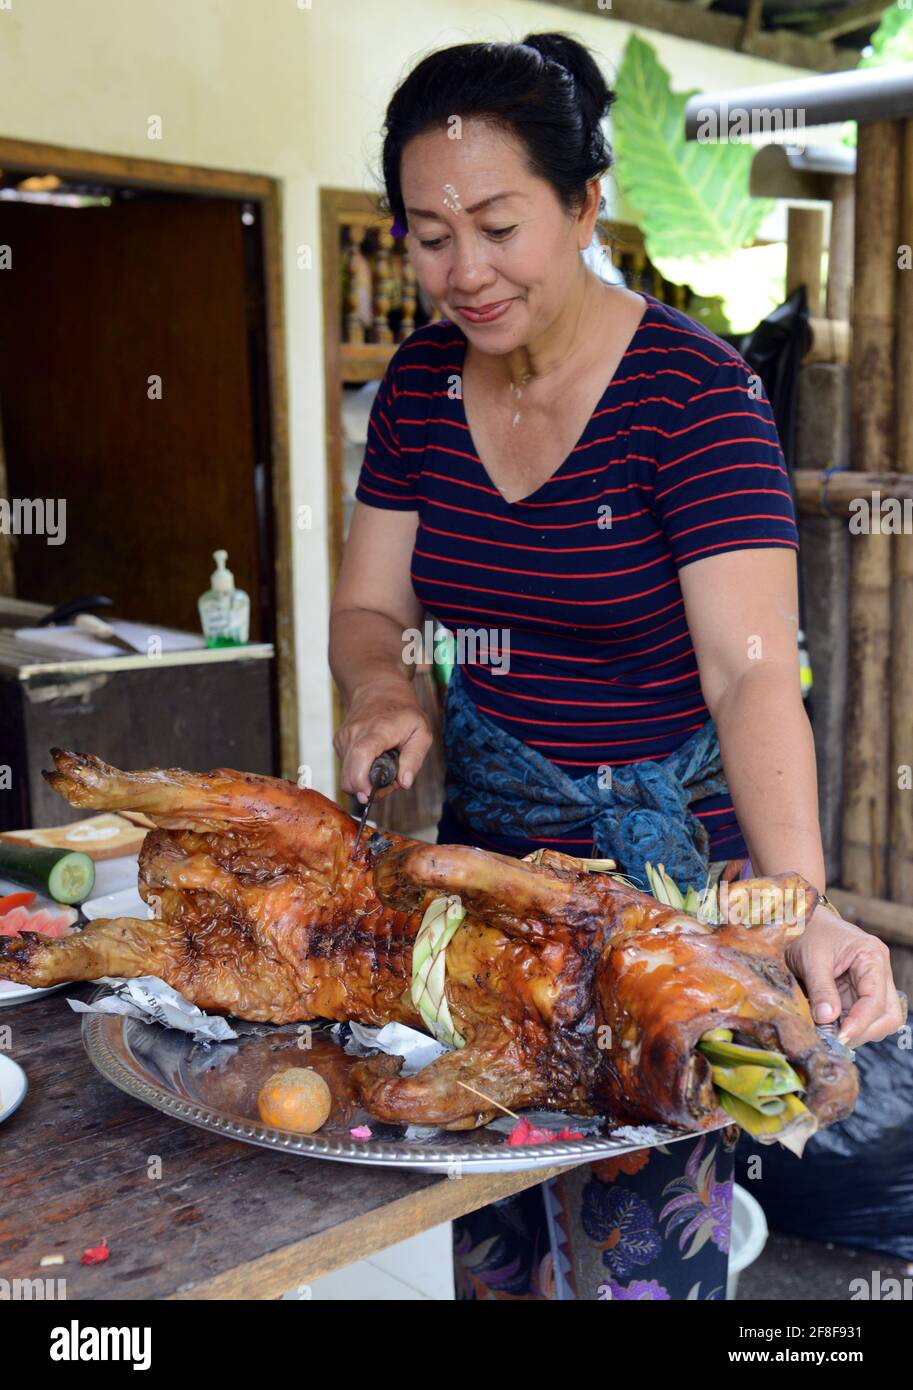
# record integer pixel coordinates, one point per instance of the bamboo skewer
(497, 1104)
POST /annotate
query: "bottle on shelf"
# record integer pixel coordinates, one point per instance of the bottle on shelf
(224, 610)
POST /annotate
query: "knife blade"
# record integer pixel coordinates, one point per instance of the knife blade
(383, 771)
(829, 1032)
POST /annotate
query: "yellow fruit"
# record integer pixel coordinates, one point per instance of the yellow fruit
(298, 1099)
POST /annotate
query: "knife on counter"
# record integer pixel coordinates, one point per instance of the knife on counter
(383, 771)
(104, 632)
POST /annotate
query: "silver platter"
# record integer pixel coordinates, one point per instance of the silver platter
(215, 1085)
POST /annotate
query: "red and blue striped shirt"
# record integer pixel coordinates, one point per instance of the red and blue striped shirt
(679, 461)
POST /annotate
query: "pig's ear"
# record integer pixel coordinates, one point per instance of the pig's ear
(785, 900)
(520, 899)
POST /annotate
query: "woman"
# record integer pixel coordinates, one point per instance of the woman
(593, 482)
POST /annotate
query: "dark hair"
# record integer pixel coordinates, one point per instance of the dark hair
(547, 91)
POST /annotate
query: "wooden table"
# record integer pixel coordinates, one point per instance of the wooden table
(224, 1219)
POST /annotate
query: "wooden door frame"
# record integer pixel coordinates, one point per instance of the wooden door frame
(125, 170)
(335, 203)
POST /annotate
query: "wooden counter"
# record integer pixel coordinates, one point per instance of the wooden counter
(225, 1220)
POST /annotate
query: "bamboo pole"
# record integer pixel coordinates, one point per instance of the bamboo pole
(866, 798)
(840, 251)
(891, 921)
(804, 244)
(829, 341)
(900, 854)
(820, 493)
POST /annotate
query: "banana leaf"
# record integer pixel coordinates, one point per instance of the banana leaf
(730, 1054)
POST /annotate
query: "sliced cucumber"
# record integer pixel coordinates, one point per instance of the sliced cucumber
(66, 875)
(72, 878)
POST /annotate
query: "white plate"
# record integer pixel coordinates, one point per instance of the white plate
(125, 903)
(11, 993)
(13, 1086)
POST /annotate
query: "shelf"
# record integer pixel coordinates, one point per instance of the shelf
(361, 362)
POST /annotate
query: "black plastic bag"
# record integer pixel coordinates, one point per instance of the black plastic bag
(775, 350)
(854, 1184)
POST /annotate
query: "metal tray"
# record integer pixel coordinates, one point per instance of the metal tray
(215, 1086)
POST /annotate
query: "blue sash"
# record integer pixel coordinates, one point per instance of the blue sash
(499, 785)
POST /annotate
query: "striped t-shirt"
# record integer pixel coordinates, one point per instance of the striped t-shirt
(680, 460)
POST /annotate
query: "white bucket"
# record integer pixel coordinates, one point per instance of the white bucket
(749, 1236)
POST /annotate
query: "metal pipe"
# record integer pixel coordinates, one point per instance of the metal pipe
(781, 171)
(871, 94)
(837, 160)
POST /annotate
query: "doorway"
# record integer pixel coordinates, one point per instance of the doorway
(142, 379)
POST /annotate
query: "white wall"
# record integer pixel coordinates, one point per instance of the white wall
(298, 93)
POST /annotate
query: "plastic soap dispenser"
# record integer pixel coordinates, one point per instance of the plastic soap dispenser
(224, 610)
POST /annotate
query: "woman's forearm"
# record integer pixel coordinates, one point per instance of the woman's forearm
(769, 760)
(366, 648)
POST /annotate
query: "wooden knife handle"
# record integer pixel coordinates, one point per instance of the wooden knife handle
(384, 768)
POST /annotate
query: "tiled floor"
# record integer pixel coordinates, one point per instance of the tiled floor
(788, 1269)
(419, 1268)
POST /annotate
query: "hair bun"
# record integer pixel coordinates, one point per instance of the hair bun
(595, 96)
(547, 92)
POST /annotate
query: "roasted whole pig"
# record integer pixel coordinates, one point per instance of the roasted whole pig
(572, 991)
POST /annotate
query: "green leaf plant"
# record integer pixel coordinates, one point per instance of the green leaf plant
(692, 197)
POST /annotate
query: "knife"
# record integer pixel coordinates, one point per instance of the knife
(104, 632)
(828, 1032)
(383, 771)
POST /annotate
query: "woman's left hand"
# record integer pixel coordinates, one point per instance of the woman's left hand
(846, 970)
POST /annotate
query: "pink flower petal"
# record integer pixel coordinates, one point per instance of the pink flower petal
(525, 1133)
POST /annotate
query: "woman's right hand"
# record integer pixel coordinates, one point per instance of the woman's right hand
(383, 714)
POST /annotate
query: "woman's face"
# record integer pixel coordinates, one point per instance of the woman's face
(489, 241)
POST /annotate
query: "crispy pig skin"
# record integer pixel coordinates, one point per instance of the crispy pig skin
(665, 981)
(573, 991)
